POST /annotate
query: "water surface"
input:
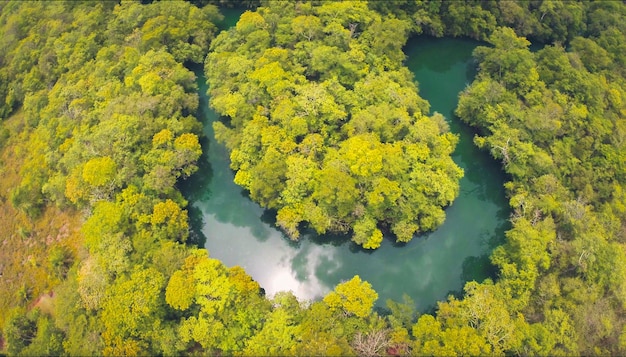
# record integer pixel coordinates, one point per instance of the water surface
(239, 232)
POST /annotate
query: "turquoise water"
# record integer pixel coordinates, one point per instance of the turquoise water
(239, 232)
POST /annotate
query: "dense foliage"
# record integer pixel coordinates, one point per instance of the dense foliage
(104, 124)
(556, 119)
(98, 126)
(541, 20)
(325, 124)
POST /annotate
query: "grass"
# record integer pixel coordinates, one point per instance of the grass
(25, 243)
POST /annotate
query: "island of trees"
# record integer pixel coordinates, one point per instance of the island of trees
(325, 126)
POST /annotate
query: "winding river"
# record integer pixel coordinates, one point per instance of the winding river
(239, 232)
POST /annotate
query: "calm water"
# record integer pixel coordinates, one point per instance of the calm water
(239, 232)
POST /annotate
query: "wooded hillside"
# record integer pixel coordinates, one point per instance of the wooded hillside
(326, 126)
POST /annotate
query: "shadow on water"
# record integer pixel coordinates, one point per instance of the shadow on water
(268, 216)
(471, 70)
(476, 268)
(394, 242)
(479, 268)
(231, 16)
(480, 172)
(431, 309)
(332, 239)
(196, 222)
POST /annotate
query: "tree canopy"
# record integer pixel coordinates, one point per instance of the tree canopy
(325, 125)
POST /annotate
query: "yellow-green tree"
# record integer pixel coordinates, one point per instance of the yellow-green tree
(354, 297)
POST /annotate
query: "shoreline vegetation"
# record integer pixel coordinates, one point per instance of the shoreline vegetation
(98, 127)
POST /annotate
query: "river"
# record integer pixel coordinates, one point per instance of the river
(237, 231)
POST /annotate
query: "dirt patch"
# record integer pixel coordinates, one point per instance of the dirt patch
(45, 303)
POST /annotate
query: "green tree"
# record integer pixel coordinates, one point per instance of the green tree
(280, 332)
(19, 331)
(132, 311)
(352, 297)
(216, 324)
